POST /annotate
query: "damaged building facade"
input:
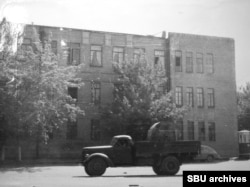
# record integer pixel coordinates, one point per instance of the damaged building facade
(200, 70)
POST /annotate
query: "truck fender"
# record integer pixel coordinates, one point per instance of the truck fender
(105, 157)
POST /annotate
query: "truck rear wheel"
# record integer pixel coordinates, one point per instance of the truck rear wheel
(96, 166)
(170, 165)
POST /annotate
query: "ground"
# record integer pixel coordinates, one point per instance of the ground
(75, 176)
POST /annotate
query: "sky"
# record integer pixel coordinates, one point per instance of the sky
(224, 18)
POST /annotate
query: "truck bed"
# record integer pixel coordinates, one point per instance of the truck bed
(147, 148)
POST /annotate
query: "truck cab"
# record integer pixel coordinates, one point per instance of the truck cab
(119, 152)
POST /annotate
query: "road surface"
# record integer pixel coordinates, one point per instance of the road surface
(75, 176)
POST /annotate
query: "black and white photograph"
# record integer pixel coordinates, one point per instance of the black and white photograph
(135, 93)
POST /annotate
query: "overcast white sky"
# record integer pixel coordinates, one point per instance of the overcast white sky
(226, 18)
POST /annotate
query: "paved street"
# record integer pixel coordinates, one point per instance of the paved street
(75, 176)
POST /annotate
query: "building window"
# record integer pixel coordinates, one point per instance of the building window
(210, 63)
(159, 59)
(118, 54)
(96, 93)
(26, 44)
(96, 56)
(73, 53)
(72, 130)
(138, 52)
(211, 131)
(200, 97)
(199, 63)
(201, 131)
(178, 63)
(190, 129)
(54, 46)
(189, 62)
(210, 98)
(95, 130)
(73, 92)
(179, 128)
(178, 96)
(190, 97)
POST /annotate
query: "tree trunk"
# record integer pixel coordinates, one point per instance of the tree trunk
(37, 147)
(38, 142)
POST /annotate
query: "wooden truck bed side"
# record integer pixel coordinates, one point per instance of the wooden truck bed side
(147, 148)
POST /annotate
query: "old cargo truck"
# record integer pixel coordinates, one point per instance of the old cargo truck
(164, 156)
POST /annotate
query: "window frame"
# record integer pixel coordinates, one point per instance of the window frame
(179, 96)
(190, 96)
(97, 52)
(114, 52)
(180, 130)
(199, 63)
(95, 98)
(71, 51)
(137, 53)
(201, 127)
(178, 68)
(159, 57)
(200, 97)
(211, 131)
(210, 63)
(210, 98)
(189, 62)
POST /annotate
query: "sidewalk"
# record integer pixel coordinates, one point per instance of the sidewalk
(38, 162)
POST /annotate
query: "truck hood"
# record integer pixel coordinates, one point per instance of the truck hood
(98, 147)
(107, 149)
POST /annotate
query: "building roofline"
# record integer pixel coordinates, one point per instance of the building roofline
(139, 35)
(88, 30)
(199, 36)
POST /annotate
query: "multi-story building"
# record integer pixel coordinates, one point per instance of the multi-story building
(200, 69)
(203, 77)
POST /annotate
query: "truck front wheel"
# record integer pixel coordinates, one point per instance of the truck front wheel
(170, 165)
(96, 167)
(157, 170)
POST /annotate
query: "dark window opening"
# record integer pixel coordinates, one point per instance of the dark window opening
(95, 130)
(73, 92)
(201, 128)
(96, 93)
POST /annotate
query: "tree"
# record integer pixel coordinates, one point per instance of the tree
(34, 97)
(244, 107)
(140, 97)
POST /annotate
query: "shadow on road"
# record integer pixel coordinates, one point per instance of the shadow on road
(128, 176)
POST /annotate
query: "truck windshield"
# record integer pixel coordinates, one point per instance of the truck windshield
(113, 141)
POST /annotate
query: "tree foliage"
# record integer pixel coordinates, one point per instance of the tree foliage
(140, 96)
(34, 98)
(244, 107)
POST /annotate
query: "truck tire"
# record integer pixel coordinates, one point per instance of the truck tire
(170, 165)
(157, 169)
(96, 166)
